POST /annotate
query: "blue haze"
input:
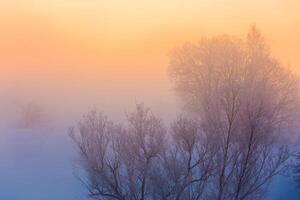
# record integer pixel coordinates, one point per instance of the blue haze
(39, 165)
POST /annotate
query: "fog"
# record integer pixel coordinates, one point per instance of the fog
(65, 94)
(68, 58)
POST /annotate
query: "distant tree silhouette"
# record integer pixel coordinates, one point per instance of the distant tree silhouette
(31, 115)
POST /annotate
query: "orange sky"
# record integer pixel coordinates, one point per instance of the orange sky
(122, 45)
(59, 32)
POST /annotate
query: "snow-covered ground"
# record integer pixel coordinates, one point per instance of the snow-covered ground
(39, 165)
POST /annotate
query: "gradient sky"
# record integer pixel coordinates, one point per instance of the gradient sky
(111, 53)
(71, 55)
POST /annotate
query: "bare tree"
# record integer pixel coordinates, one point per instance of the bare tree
(240, 100)
(243, 98)
(119, 160)
(186, 166)
(194, 157)
(140, 161)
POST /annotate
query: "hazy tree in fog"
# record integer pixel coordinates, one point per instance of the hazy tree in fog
(240, 100)
(243, 99)
(139, 161)
(119, 160)
(31, 115)
(190, 160)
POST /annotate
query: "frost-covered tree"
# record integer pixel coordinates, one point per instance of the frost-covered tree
(243, 99)
(240, 100)
(140, 160)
